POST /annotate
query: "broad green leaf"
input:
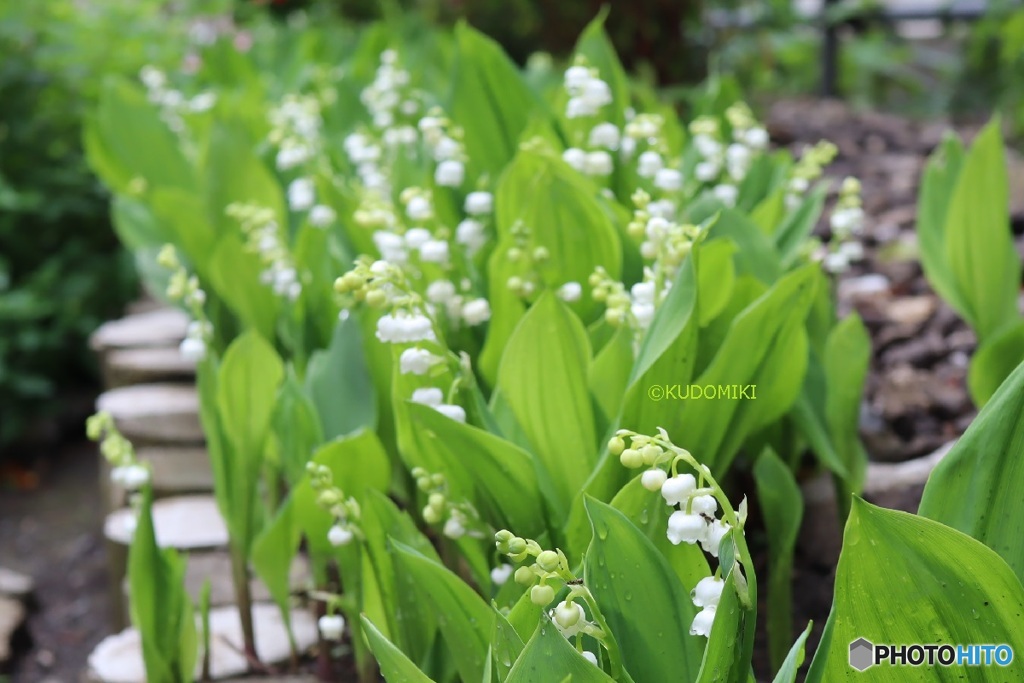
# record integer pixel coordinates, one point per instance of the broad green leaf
(595, 46)
(609, 373)
(846, 362)
(490, 101)
(502, 477)
(464, 618)
(782, 506)
(182, 216)
(798, 225)
(235, 275)
(506, 646)
(395, 667)
(906, 579)
(296, 428)
(727, 655)
(549, 657)
(539, 191)
(976, 488)
(339, 383)
(543, 376)
(161, 610)
(994, 360)
(640, 594)
(756, 254)
(937, 185)
(979, 246)
(272, 555)
(794, 659)
(236, 174)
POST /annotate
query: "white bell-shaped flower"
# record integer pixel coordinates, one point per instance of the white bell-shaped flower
(479, 203)
(653, 479)
(501, 574)
(428, 396)
(454, 412)
(476, 312)
(649, 164)
(301, 194)
(668, 179)
(570, 292)
(703, 622)
(704, 505)
(605, 135)
(416, 361)
(331, 626)
(450, 173)
(192, 349)
(575, 157)
(707, 592)
(569, 618)
(715, 533)
(686, 528)
(678, 489)
(339, 535)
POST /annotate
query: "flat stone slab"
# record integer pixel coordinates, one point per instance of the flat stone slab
(215, 566)
(12, 614)
(123, 367)
(15, 584)
(155, 413)
(118, 658)
(183, 522)
(162, 327)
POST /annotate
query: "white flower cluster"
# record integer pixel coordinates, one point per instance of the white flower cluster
(365, 154)
(445, 146)
(807, 169)
(193, 346)
(263, 237)
(295, 128)
(847, 223)
(182, 286)
(345, 511)
(695, 519)
(635, 307)
(126, 470)
(434, 398)
(588, 94)
(172, 102)
(388, 98)
(735, 158)
(405, 327)
(460, 519)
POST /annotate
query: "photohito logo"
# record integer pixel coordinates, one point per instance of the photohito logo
(864, 654)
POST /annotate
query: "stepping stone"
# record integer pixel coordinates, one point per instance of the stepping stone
(184, 522)
(15, 585)
(177, 470)
(215, 567)
(124, 367)
(162, 327)
(12, 614)
(155, 413)
(118, 658)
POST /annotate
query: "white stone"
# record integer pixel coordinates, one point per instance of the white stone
(12, 614)
(123, 367)
(184, 523)
(15, 584)
(155, 412)
(118, 658)
(162, 327)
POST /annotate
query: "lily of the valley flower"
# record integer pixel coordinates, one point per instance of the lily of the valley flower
(331, 626)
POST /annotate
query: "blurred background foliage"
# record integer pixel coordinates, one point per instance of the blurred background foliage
(61, 271)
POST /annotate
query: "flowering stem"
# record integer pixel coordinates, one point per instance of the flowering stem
(614, 657)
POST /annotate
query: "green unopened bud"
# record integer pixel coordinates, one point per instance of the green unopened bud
(517, 546)
(431, 515)
(375, 298)
(650, 453)
(542, 595)
(631, 458)
(548, 560)
(541, 254)
(567, 614)
(503, 536)
(524, 577)
(436, 500)
(616, 445)
(328, 498)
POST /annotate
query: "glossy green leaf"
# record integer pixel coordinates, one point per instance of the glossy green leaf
(977, 486)
(500, 476)
(905, 579)
(339, 383)
(395, 667)
(794, 659)
(296, 427)
(235, 275)
(640, 594)
(236, 174)
(782, 506)
(727, 655)
(994, 360)
(937, 184)
(549, 657)
(846, 363)
(464, 618)
(272, 554)
(506, 646)
(543, 377)
(979, 246)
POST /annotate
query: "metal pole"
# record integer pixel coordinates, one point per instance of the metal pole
(829, 52)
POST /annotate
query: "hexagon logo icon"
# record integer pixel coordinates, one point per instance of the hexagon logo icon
(862, 654)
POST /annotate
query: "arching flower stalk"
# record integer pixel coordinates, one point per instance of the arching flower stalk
(344, 510)
(127, 471)
(459, 518)
(696, 500)
(546, 574)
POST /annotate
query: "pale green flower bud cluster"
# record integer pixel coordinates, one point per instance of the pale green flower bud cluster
(345, 510)
(460, 519)
(263, 237)
(127, 471)
(807, 169)
(528, 260)
(664, 242)
(695, 500)
(295, 129)
(182, 287)
(847, 222)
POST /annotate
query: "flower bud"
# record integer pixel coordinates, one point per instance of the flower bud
(542, 595)
(431, 515)
(516, 546)
(568, 614)
(616, 445)
(524, 577)
(650, 453)
(375, 298)
(631, 458)
(653, 479)
(436, 500)
(548, 560)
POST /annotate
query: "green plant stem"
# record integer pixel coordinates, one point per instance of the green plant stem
(243, 598)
